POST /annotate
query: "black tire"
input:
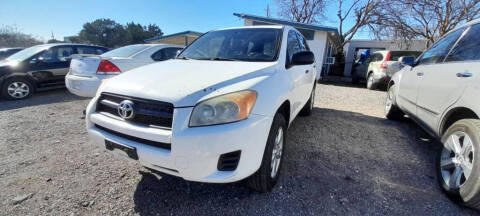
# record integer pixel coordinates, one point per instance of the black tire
(468, 193)
(262, 180)
(308, 107)
(371, 82)
(7, 94)
(392, 111)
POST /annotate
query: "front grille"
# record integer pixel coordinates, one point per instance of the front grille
(136, 139)
(229, 161)
(147, 112)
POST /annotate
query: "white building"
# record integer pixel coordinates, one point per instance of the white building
(319, 38)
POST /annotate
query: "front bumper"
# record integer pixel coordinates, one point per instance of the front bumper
(84, 86)
(194, 152)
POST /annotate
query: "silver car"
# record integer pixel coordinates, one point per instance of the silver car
(441, 92)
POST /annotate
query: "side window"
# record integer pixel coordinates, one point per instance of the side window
(439, 50)
(56, 54)
(165, 54)
(467, 48)
(293, 46)
(303, 42)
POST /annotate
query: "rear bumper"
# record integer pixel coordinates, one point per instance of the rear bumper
(84, 86)
(194, 153)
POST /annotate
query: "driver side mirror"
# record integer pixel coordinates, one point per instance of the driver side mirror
(302, 58)
(407, 60)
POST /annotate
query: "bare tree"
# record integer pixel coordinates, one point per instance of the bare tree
(422, 19)
(303, 11)
(361, 11)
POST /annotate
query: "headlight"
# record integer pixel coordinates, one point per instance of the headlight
(223, 109)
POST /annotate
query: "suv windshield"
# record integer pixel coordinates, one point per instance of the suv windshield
(125, 51)
(236, 45)
(26, 53)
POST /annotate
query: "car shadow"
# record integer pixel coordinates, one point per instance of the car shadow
(40, 98)
(335, 162)
(349, 84)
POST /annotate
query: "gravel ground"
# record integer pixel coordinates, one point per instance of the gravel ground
(346, 159)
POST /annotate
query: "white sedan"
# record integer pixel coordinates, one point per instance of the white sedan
(87, 71)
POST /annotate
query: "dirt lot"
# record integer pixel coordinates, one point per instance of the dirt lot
(346, 159)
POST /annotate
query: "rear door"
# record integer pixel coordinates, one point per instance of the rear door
(444, 82)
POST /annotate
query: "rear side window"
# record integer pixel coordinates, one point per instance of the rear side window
(395, 55)
(377, 57)
(467, 49)
(125, 51)
(89, 50)
(165, 54)
(439, 50)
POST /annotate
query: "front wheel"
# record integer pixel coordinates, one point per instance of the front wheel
(392, 111)
(458, 164)
(17, 88)
(267, 175)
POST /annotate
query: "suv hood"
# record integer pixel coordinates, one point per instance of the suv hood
(184, 82)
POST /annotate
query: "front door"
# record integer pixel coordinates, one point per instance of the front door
(50, 67)
(444, 83)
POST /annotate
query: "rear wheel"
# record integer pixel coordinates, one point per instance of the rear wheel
(458, 164)
(17, 88)
(307, 109)
(267, 175)
(371, 82)
(392, 111)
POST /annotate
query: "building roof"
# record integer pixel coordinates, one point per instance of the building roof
(173, 35)
(286, 22)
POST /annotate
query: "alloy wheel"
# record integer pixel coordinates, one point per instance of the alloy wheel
(457, 159)
(18, 89)
(277, 152)
(389, 101)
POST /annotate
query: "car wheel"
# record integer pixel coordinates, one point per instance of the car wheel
(370, 82)
(458, 164)
(267, 175)
(17, 88)
(307, 109)
(392, 111)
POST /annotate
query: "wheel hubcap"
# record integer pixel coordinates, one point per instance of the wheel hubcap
(370, 81)
(456, 160)
(277, 152)
(18, 89)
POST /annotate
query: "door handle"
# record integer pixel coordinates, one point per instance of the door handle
(419, 73)
(307, 71)
(464, 74)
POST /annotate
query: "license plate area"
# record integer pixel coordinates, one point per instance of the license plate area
(130, 151)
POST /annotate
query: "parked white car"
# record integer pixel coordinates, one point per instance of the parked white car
(87, 71)
(218, 113)
(380, 67)
(440, 91)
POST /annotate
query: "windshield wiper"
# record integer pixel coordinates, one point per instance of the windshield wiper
(183, 57)
(218, 59)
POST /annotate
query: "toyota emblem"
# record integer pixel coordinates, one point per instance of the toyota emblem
(125, 109)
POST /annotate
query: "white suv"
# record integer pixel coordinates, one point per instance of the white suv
(217, 113)
(441, 92)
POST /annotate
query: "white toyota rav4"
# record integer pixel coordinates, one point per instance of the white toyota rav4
(217, 113)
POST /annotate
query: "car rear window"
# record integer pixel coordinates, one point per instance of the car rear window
(395, 55)
(125, 51)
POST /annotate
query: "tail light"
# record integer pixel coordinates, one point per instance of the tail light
(384, 63)
(107, 67)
